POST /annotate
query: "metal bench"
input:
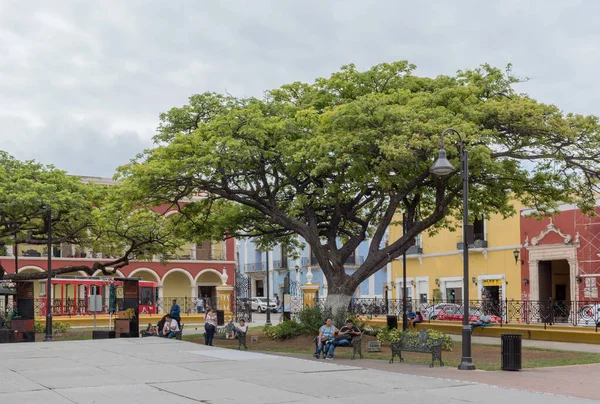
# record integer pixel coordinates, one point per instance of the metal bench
(356, 345)
(224, 332)
(422, 343)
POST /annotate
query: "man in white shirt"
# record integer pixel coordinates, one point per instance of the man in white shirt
(171, 327)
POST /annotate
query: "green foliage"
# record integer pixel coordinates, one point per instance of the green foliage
(58, 327)
(311, 318)
(286, 330)
(333, 161)
(393, 335)
(88, 215)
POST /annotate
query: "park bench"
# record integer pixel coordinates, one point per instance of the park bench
(356, 345)
(226, 332)
(422, 344)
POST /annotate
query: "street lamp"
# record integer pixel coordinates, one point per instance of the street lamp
(49, 280)
(443, 167)
(268, 321)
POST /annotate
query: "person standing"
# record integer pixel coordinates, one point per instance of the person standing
(210, 326)
(175, 312)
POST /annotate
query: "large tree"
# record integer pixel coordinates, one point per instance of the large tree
(33, 195)
(337, 161)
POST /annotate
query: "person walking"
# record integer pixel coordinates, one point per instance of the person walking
(210, 326)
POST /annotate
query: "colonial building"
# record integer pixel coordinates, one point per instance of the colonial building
(435, 264)
(560, 258)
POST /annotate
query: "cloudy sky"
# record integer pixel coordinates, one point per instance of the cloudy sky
(82, 82)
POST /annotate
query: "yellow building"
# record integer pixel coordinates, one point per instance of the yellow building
(434, 266)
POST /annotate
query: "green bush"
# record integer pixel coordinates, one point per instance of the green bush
(39, 327)
(311, 318)
(286, 330)
(394, 335)
(56, 326)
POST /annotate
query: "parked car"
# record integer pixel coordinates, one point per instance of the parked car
(590, 315)
(456, 314)
(433, 311)
(260, 304)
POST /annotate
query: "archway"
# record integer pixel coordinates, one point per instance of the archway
(145, 274)
(38, 285)
(206, 286)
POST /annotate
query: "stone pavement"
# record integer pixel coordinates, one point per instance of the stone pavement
(145, 370)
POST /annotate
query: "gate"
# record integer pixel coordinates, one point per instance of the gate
(243, 294)
(293, 289)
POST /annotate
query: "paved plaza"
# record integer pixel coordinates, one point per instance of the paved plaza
(153, 370)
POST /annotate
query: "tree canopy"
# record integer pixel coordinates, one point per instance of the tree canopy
(91, 216)
(335, 161)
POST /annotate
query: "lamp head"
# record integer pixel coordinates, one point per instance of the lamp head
(441, 166)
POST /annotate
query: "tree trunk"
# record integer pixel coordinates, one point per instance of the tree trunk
(338, 302)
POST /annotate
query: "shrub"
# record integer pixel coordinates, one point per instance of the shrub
(395, 334)
(39, 327)
(58, 327)
(311, 318)
(286, 330)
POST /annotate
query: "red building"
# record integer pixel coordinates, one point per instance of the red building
(560, 256)
(195, 273)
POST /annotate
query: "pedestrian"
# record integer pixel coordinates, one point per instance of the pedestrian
(210, 326)
(175, 312)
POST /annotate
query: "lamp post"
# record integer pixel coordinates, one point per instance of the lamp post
(268, 321)
(49, 280)
(404, 289)
(443, 167)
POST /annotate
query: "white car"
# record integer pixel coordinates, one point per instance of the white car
(260, 304)
(589, 315)
(431, 312)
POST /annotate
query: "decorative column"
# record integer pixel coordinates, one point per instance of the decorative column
(310, 290)
(160, 299)
(534, 281)
(224, 295)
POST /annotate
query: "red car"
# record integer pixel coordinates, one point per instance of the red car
(456, 314)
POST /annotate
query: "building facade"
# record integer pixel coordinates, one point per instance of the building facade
(560, 259)
(435, 264)
(254, 263)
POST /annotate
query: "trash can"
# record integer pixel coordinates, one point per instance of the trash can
(511, 351)
(392, 322)
(220, 317)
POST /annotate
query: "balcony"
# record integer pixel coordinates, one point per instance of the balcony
(255, 266)
(478, 241)
(415, 249)
(280, 264)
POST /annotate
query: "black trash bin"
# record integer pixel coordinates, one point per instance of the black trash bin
(392, 322)
(220, 317)
(511, 351)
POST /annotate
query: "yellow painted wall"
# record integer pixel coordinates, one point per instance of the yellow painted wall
(441, 258)
(177, 284)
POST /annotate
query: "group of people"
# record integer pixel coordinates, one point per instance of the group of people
(330, 337)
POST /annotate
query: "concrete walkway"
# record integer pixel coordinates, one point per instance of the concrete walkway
(156, 370)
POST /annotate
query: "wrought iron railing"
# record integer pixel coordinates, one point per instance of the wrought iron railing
(544, 312)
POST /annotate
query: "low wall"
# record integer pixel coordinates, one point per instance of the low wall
(586, 335)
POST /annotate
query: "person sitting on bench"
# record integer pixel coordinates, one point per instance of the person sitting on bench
(326, 333)
(344, 337)
(483, 320)
(418, 318)
(171, 327)
(239, 333)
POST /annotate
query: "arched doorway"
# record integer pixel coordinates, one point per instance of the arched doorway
(206, 286)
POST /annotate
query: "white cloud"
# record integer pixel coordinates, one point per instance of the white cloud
(84, 82)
